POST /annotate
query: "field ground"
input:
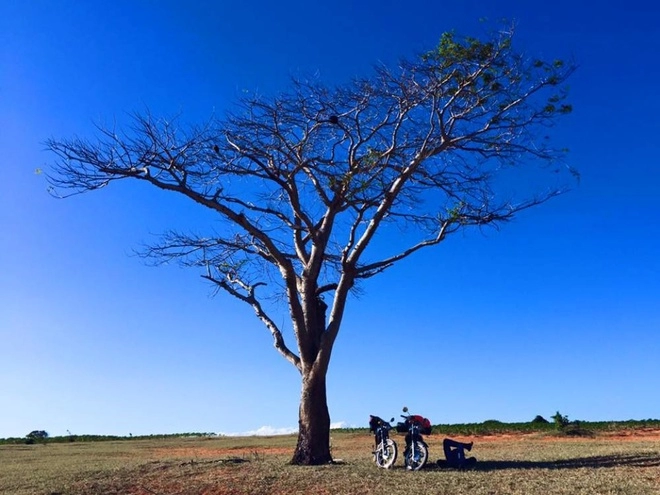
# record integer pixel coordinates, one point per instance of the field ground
(530, 464)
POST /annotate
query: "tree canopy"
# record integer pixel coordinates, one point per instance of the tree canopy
(308, 181)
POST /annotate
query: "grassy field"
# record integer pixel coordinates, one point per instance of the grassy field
(527, 464)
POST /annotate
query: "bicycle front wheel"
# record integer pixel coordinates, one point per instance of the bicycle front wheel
(386, 454)
(416, 455)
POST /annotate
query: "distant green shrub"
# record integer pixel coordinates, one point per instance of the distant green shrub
(540, 419)
(571, 428)
(36, 436)
(560, 420)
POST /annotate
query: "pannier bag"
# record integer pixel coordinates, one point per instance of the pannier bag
(424, 424)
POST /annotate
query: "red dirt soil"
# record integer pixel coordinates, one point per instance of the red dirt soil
(214, 453)
(637, 434)
(359, 441)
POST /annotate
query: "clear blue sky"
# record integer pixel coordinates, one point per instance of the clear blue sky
(559, 310)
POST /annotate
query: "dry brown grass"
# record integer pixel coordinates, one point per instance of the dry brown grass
(518, 464)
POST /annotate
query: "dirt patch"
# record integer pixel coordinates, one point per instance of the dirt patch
(634, 434)
(215, 453)
(362, 442)
(637, 434)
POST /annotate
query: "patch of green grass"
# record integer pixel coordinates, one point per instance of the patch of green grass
(53, 468)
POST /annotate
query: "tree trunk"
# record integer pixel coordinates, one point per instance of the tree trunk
(313, 446)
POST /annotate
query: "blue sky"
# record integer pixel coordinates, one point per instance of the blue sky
(559, 310)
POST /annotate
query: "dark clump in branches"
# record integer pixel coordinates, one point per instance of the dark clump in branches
(428, 146)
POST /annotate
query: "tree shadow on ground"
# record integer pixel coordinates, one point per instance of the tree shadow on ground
(609, 461)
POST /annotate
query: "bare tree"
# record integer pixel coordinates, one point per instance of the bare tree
(307, 182)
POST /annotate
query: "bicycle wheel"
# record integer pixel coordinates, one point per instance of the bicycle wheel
(415, 458)
(386, 454)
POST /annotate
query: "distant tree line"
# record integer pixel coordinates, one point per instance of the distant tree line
(560, 425)
(41, 436)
